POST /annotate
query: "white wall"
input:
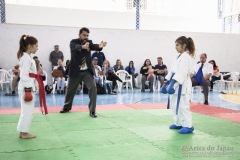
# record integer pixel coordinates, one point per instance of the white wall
(124, 44)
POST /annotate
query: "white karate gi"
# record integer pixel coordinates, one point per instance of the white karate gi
(182, 66)
(27, 65)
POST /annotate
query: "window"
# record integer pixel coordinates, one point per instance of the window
(131, 6)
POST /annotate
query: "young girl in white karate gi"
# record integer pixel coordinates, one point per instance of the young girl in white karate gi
(180, 75)
(27, 86)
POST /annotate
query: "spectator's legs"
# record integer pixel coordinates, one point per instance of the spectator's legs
(14, 84)
(214, 78)
(205, 86)
(143, 80)
(151, 79)
(62, 83)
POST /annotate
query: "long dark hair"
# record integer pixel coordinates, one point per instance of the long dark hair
(214, 63)
(132, 64)
(118, 60)
(25, 40)
(145, 62)
(189, 44)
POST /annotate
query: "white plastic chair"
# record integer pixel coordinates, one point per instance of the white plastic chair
(125, 77)
(157, 84)
(11, 76)
(55, 83)
(221, 81)
(199, 90)
(107, 82)
(5, 78)
(136, 82)
(233, 81)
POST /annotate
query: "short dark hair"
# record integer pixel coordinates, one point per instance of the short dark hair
(35, 57)
(84, 29)
(56, 46)
(159, 58)
(204, 54)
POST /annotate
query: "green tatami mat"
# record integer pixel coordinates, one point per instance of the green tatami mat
(119, 135)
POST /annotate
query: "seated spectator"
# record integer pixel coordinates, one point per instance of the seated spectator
(59, 70)
(108, 71)
(6, 77)
(131, 70)
(67, 63)
(144, 72)
(40, 70)
(67, 69)
(36, 58)
(150, 73)
(216, 74)
(201, 74)
(100, 56)
(55, 55)
(160, 70)
(98, 71)
(15, 80)
(118, 65)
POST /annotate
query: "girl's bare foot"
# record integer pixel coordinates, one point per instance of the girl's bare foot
(26, 135)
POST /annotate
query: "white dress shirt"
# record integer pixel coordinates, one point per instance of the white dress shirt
(207, 68)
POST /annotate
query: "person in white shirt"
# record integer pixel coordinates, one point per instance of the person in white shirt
(98, 71)
(60, 80)
(179, 85)
(28, 46)
(207, 70)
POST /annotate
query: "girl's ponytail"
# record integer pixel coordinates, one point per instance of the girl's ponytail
(24, 42)
(191, 47)
(21, 47)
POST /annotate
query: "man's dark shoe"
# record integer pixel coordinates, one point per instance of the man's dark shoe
(64, 110)
(206, 102)
(93, 115)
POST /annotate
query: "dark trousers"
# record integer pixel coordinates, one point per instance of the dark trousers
(133, 78)
(144, 79)
(161, 79)
(113, 78)
(73, 83)
(205, 87)
(214, 78)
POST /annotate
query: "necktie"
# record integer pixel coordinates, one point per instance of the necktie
(83, 62)
(199, 76)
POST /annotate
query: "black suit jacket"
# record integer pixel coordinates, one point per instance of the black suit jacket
(77, 55)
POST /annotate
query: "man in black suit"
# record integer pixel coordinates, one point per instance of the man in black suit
(81, 69)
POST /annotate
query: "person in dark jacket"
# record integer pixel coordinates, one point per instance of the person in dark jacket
(81, 69)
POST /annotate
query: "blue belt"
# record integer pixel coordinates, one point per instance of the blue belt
(179, 96)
